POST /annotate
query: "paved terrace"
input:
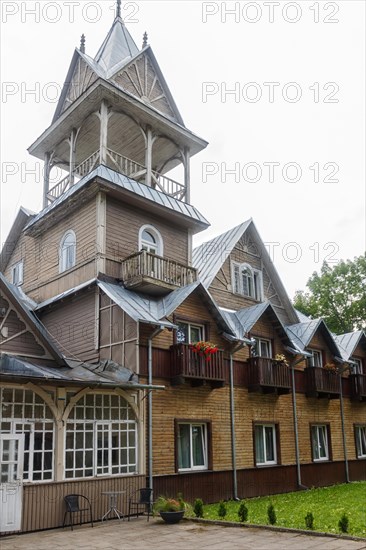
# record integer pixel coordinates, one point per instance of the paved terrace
(140, 534)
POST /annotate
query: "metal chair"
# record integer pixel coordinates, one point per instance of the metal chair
(140, 498)
(77, 504)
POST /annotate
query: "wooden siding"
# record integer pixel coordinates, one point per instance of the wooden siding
(72, 323)
(123, 225)
(40, 255)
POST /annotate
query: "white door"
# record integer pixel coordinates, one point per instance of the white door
(11, 481)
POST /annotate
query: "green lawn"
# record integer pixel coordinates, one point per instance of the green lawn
(327, 505)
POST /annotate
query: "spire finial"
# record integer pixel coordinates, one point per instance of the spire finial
(144, 44)
(82, 43)
(118, 12)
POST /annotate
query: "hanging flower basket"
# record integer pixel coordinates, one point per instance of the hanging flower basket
(281, 359)
(204, 349)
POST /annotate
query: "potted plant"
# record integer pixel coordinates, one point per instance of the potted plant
(204, 349)
(171, 510)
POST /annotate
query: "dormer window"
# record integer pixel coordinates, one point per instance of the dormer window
(316, 360)
(247, 281)
(262, 348)
(67, 251)
(150, 240)
(17, 274)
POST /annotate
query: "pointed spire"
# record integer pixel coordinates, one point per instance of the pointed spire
(82, 43)
(118, 11)
(144, 44)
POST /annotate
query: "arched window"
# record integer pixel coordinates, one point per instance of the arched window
(247, 281)
(151, 240)
(67, 251)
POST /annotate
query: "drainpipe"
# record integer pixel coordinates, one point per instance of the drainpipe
(150, 445)
(232, 419)
(341, 371)
(296, 430)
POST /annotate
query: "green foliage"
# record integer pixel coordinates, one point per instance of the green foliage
(243, 512)
(309, 520)
(337, 295)
(343, 523)
(222, 510)
(271, 513)
(166, 504)
(198, 508)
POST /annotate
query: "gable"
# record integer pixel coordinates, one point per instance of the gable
(141, 79)
(79, 80)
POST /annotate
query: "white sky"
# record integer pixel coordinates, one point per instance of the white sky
(198, 50)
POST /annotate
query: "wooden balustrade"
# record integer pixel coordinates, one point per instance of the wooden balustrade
(87, 165)
(266, 375)
(358, 386)
(188, 364)
(321, 382)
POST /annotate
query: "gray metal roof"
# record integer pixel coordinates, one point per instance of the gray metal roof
(123, 182)
(210, 256)
(347, 343)
(303, 333)
(118, 47)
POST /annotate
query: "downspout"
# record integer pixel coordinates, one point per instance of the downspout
(150, 402)
(232, 420)
(296, 429)
(342, 423)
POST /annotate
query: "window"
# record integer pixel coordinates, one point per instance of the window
(67, 251)
(24, 412)
(265, 444)
(262, 348)
(357, 367)
(17, 274)
(188, 333)
(151, 240)
(101, 437)
(192, 446)
(247, 281)
(360, 435)
(316, 360)
(320, 445)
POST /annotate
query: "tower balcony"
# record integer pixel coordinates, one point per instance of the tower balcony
(125, 166)
(321, 382)
(188, 366)
(155, 275)
(265, 375)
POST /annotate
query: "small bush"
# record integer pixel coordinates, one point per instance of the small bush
(309, 520)
(271, 513)
(198, 508)
(343, 523)
(222, 510)
(243, 512)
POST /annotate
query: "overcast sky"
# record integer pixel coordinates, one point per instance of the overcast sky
(277, 88)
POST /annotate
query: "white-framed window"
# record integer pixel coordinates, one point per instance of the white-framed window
(247, 281)
(357, 366)
(262, 348)
(265, 444)
(192, 446)
(25, 412)
(189, 333)
(317, 358)
(360, 435)
(151, 240)
(101, 437)
(67, 253)
(320, 443)
(17, 273)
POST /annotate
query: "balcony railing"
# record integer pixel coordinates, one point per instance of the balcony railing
(358, 386)
(146, 270)
(321, 382)
(188, 365)
(268, 376)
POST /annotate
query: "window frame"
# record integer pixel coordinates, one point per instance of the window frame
(64, 264)
(256, 278)
(328, 447)
(190, 324)
(276, 443)
(207, 450)
(17, 273)
(358, 369)
(259, 340)
(155, 233)
(318, 353)
(358, 428)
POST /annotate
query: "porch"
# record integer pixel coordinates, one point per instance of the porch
(265, 375)
(188, 366)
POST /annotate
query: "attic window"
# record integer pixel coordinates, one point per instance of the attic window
(247, 281)
(17, 274)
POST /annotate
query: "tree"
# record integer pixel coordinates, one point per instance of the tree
(338, 295)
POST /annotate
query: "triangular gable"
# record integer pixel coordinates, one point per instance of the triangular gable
(347, 343)
(303, 333)
(21, 333)
(118, 47)
(210, 257)
(21, 220)
(143, 78)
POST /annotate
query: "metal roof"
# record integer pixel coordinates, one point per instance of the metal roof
(118, 47)
(347, 343)
(303, 333)
(128, 184)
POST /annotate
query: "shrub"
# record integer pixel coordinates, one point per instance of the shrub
(271, 513)
(198, 508)
(309, 520)
(222, 510)
(343, 523)
(243, 512)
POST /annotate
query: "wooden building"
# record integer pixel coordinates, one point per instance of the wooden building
(103, 301)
